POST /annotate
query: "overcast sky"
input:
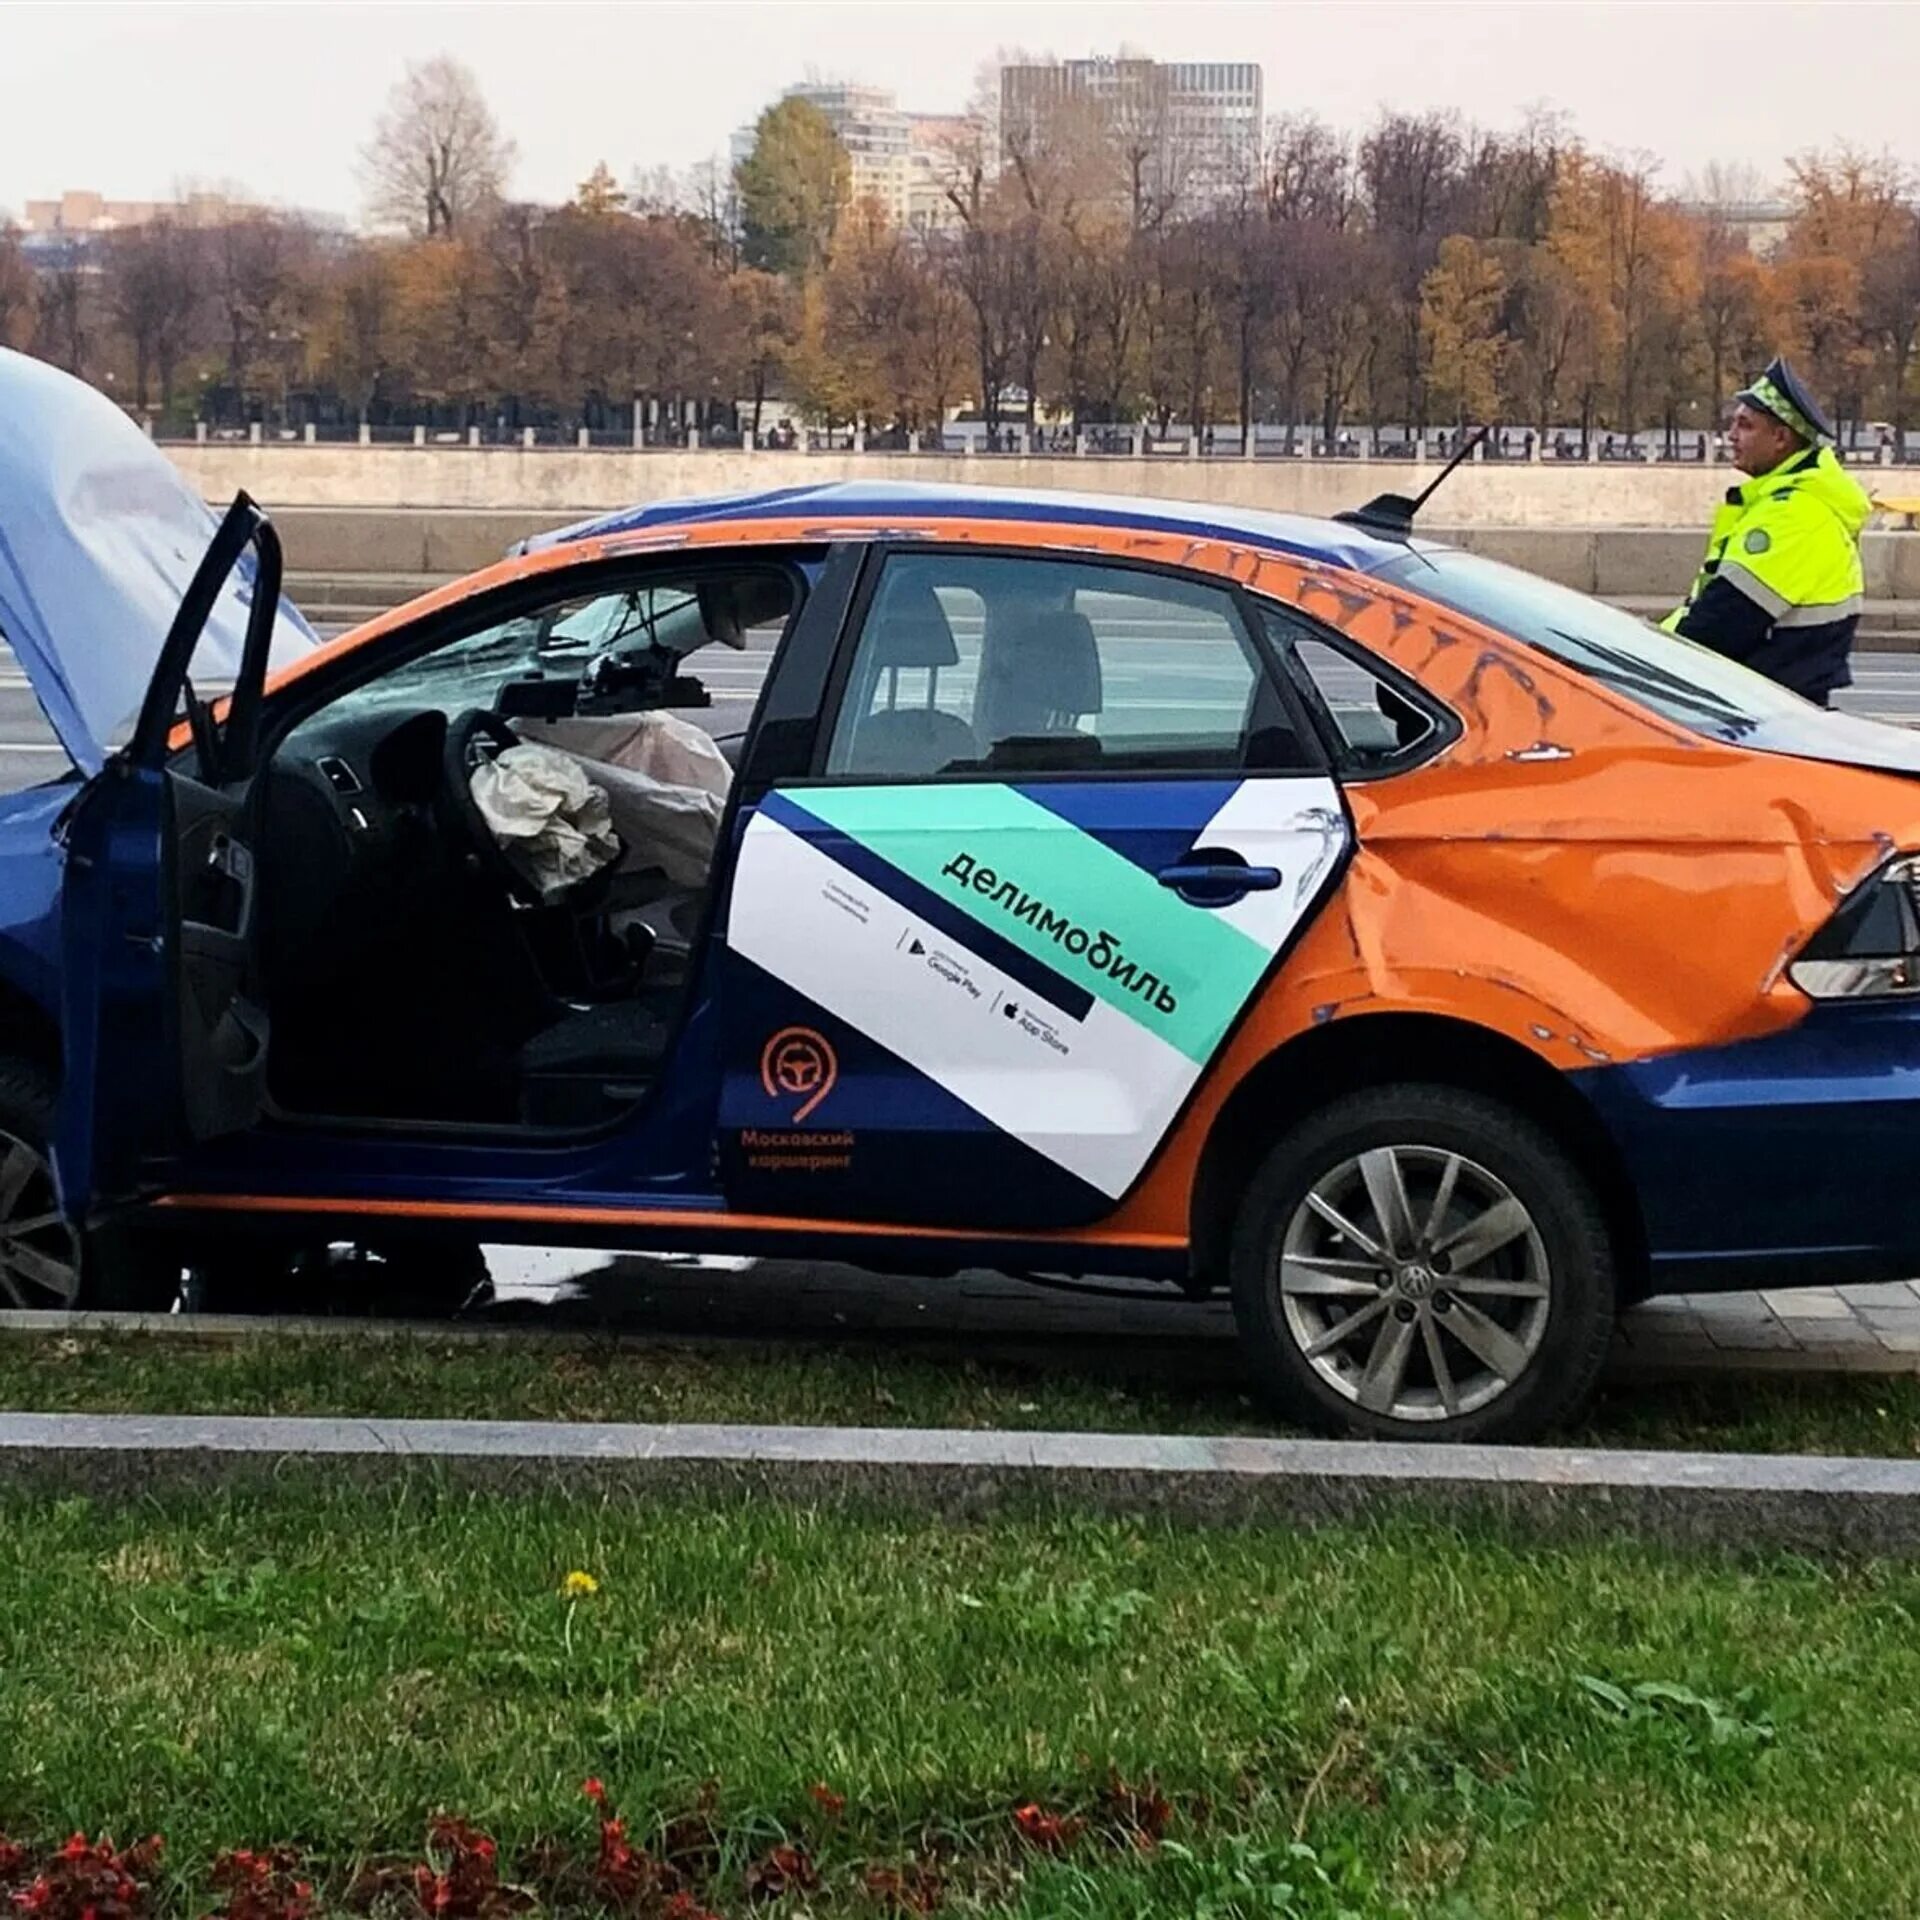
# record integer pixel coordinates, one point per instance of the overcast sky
(134, 98)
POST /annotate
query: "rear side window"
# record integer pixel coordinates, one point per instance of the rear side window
(1380, 722)
(984, 664)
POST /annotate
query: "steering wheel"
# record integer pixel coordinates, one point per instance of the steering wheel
(473, 738)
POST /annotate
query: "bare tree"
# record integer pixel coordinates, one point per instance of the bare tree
(437, 156)
(1154, 159)
(708, 194)
(63, 317)
(1555, 325)
(984, 260)
(1344, 279)
(1511, 178)
(1733, 316)
(262, 271)
(1638, 262)
(1890, 314)
(16, 290)
(1306, 190)
(1723, 186)
(1413, 169)
(154, 277)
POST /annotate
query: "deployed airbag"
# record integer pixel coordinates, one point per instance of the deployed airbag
(665, 781)
(548, 818)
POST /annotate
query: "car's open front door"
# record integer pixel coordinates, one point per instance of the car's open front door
(162, 1045)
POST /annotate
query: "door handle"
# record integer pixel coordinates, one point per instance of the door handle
(1244, 879)
(1217, 882)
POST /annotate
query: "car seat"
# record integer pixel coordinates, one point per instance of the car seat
(911, 631)
(1039, 677)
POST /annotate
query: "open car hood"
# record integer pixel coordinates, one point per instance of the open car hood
(99, 536)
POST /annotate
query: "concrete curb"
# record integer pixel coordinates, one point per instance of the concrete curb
(1741, 1501)
(342, 1329)
(1640, 1357)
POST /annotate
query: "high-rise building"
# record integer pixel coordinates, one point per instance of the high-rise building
(1198, 120)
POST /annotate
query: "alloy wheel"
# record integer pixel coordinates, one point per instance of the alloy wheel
(1414, 1282)
(39, 1251)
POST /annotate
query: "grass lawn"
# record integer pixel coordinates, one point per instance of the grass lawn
(1199, 1389)
(1448, 1723)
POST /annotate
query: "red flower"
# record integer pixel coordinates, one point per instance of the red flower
(261, 1886)
(832, 1804)
(86, 1880)
(461, 1878)
(1049, 1832)
(594, 1791)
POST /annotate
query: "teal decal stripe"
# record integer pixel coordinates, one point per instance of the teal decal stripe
(1061, 895)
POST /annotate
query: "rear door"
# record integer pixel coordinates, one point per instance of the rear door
(1064, 823)
(163, 1045)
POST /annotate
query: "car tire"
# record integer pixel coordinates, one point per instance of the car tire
(1401, 1219)
(45, 1264)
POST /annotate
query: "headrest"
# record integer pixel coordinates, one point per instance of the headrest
(1045, 657)
(910, 627)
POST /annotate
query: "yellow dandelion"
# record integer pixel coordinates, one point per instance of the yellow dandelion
(578, 1585)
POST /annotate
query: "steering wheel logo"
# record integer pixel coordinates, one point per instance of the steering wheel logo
(799, 1064)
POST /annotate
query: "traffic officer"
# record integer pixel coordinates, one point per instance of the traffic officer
(1781, 585)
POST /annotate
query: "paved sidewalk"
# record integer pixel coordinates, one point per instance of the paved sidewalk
(1832, 1329)
(1814, 1329)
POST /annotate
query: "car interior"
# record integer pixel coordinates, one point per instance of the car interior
(483, 873)
(971, 665)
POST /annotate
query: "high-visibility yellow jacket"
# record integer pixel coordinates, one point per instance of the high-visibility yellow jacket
(1781, 584)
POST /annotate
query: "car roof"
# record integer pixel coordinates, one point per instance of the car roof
(869, 505)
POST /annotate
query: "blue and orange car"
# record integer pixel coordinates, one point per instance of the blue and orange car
(1430, 957)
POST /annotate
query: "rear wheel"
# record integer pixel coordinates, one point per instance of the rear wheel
(46, 1265)
(1423, 1263)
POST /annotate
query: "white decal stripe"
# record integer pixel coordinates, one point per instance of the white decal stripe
(1094, 1096)
(1295, 825)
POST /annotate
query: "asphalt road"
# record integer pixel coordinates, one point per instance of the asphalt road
(1887, 687)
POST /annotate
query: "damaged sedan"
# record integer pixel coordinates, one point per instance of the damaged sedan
(1431, 959)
